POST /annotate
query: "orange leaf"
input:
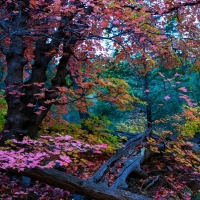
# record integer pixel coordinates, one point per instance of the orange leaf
(33, 2)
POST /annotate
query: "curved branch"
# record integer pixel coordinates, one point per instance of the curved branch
(129, 146)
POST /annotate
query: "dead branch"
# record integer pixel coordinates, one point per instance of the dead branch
(123, 152)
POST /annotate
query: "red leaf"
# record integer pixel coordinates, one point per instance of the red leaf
(104, 24)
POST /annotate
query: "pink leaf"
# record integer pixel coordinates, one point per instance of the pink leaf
(67, 137)
(184, 89)
(166, 97)
(160, 12)
(142, 39)
(177, 74)
(50, 164)
(154, 47)
(161, 74)
(104, 146)
(116, 22)
(42, 108)
(30, 105)
(66, 159)
(163, 37)
(38, 112)
(97, 151)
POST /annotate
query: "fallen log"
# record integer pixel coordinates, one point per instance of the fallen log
(79, 186)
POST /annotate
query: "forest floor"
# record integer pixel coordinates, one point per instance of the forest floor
(168, 178)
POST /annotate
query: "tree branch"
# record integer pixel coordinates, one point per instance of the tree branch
(136, 8)
(3, 49)
(129, 146)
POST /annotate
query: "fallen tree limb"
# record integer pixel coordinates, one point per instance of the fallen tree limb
(128, 149)
(152, 183)
(79, 186)
(133, 165)
(129, 165)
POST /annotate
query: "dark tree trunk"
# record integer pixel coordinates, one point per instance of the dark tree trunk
(15, 117)
(22, 120)
(148, 100)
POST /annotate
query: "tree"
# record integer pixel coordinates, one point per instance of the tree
(34, 34)
(67, 29)
(162, 89)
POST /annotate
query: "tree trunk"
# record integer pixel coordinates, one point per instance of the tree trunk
(148, 100)
(23, 120)
(15, 117)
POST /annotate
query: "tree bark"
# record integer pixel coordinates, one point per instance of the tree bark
(148, 100)
(15, 117)
(84, 187)
(123, 152)
(22, 120)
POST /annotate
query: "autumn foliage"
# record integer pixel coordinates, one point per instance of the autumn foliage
(59, 57)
